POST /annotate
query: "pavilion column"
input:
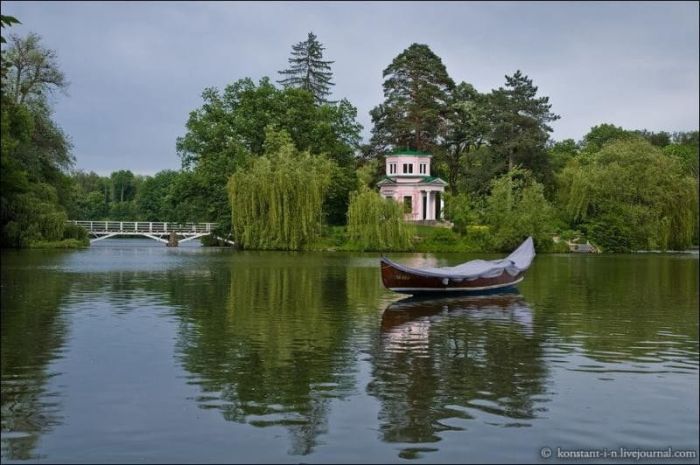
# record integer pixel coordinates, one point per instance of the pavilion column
(431, 210)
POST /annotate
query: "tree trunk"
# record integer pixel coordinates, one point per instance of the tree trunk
(510, 161)
(17, 84)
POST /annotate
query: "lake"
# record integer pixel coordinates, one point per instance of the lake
(130, 351)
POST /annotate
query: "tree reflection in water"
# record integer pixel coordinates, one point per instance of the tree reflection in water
(438, 362)
(33, 335)
(276, 351)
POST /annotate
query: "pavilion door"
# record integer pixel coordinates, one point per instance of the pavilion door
(425, 206)
(437, 205)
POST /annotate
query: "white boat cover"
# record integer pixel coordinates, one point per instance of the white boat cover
(515, 263)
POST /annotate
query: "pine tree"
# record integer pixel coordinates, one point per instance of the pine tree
(416, 95)
(308, 70)
(520, 124)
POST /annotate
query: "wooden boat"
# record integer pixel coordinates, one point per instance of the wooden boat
(472, 276)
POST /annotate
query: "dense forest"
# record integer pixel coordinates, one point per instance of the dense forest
(292, 166)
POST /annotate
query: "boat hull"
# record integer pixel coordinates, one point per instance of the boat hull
(409, 283)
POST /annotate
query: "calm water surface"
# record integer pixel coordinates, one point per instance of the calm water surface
(133, 352)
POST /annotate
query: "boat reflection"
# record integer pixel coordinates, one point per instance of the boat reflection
(508, 306)
(441, 363)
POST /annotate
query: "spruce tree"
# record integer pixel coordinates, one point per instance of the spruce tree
(308, 70)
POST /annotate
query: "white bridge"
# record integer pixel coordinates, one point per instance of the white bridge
(162, 232)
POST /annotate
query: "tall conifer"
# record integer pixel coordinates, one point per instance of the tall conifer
(416, 94)
(308, 70)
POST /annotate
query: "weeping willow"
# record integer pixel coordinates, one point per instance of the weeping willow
(631, 187)
(276, 201)
(375, 223)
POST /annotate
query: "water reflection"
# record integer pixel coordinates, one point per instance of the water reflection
(274, 351)
(33, 335)
(442, 363)
(629, 313)
(271, 341)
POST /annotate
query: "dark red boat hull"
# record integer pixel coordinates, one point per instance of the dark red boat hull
(409, 283)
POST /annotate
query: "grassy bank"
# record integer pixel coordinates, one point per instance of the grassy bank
(425, 239)
(62, 244)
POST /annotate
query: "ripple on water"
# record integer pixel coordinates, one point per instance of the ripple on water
(594, 351)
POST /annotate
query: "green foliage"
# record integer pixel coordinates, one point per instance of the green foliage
(369, 173)
(559, 247)
(230, 127)
(516, 209)
(658, 139)
(6, 20)
(520, 125)
(123, 211)
(155, 197)
(332, 238)
(603, 134)
(197, 196)
(481, 167)
(615, 233)
(232, 124)
(570, 235)
(416, 88)
(343, 182)
(276, 200)
(630, 196)
(35, 152)
(33, 216)
(32, 70)
(123, 186)
(561, 152)
(687, 154)
(686, 138)
(439, 239)
(467, 129)
(308, 70)
(91, 207)
(461, 211)
(73, 231)
(62, 244)
(376, 223)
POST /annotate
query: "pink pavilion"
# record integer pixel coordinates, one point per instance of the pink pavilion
(408, 181)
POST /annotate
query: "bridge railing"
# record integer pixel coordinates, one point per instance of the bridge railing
(145, 227)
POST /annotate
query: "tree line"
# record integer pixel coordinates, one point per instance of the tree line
(275, 164)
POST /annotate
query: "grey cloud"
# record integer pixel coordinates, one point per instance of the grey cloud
(138, 69)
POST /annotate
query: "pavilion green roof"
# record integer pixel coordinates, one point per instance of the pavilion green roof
(415, 153)
(423, 179)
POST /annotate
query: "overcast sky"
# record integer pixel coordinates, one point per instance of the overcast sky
(136, 70)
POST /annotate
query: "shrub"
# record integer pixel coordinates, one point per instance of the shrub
(516, 209)
(73, 231)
